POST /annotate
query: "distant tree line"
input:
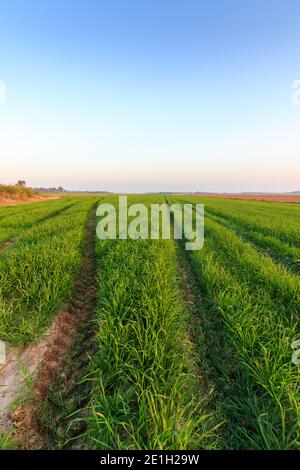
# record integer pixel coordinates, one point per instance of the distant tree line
(60, 189)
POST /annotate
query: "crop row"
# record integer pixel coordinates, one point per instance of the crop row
(37, 272)
(145, 383)
(251, 320)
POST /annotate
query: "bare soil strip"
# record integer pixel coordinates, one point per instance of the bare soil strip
(4, 201)
(289, 198)
(44, 359)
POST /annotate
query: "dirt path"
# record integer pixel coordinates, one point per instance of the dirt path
(4, 201)
(43, 360)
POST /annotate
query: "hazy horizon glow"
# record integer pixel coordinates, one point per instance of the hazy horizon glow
(150, 96)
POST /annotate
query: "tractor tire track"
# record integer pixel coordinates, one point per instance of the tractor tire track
(44, 360)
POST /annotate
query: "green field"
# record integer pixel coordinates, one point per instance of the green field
(184, 349)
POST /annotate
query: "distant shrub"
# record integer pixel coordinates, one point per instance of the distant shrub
(16, 191)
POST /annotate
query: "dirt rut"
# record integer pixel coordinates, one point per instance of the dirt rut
(7, 245)
(43, 360)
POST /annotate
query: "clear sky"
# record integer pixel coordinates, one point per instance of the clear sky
(141, 95)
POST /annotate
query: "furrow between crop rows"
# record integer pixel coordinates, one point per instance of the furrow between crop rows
(43, 362)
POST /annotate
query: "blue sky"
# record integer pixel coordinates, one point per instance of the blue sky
(150, 95)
